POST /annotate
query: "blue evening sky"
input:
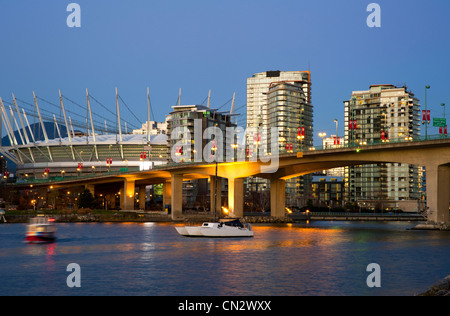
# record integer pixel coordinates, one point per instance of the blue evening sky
(199, 45)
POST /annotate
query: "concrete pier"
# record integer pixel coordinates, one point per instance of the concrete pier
(236, 197)
(177, 196)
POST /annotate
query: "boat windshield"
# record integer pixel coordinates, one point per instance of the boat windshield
(234, 223)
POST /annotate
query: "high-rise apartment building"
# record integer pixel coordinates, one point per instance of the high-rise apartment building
(185, 118)
(258, 87)
(289, 110)
(282, 99)
(154, 127)
(383, 113)
(327, 190)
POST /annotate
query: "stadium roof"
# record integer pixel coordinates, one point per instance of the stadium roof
(136, 139)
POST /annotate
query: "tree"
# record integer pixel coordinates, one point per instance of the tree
(86, 199)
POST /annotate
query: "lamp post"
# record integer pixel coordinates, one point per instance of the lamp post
(214, 149)
(337, 137)
(444, 133)
(426, 113)
(322, 135)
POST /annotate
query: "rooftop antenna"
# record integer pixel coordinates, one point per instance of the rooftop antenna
(209, 99)
(179, 98)
(20, 119)
(43, 126)
(90, 115)
(57, 128)
(17, 125)
(65, 116)
(20, 133)
(232, 104)
(40, 118)
(148, 114)
(24, 130)
(118, 116)
(29, 127)
(120, 127)
(69, 133)
(71, 127)
(10, 130)
(12, 138)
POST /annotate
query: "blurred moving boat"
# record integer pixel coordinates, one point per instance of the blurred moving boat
(222, 229)
(41, 230)
(2, 216)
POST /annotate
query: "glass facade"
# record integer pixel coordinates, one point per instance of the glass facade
(183, 117)
(196, 193)
(327, 190)
(282, 99)
(289, 110)
(385, 113)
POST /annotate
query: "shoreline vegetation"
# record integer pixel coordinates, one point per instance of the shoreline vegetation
(102, 216)
(89, 216)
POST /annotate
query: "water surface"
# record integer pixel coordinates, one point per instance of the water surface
(321, 258)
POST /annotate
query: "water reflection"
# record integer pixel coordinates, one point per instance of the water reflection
(319, 258)
(148, 245)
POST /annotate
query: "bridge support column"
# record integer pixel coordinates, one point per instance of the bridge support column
(127, 195)
(142, 197)
(236, 197)
(112, 201)
(438, 194)
(177, 196)
(213, 191)
(277, 197)
(167, 195)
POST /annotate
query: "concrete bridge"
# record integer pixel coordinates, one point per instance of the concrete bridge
(433, 154)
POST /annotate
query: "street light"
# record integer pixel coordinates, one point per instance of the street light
(337, 137)
(322, 135)
(336, 121)
(444, 133)
(426, 121)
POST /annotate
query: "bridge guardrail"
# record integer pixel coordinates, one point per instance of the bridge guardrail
(297, 149)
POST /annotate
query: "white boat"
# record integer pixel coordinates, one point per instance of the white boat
(222, 229)
(41, 230)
